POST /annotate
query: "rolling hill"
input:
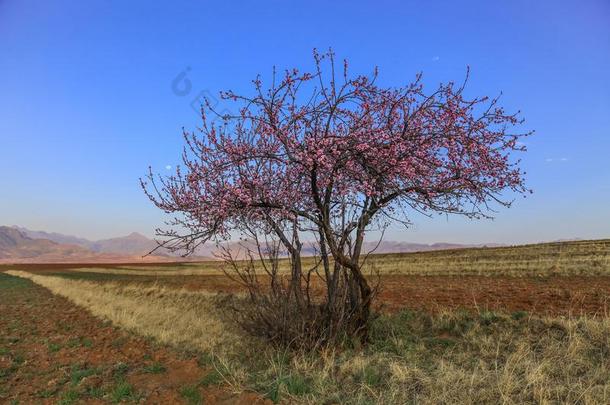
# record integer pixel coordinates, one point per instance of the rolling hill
(138, 244)
(18, 247)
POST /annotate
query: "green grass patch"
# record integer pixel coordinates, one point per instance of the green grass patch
(8, 282)
(442, 342)
(122, 391)
(120, 370)
(95, 392)
(518, 315)
(488, 317)
(18, 358)
(80, 341)
(69, 397)
(205, 359)
(370, 375)
(46, 393)
(211, 378)
(155, 368)
(53, 347)
(297, 385)
(78, 373)
(292, 384)
(119, 342)
(191, 395)
(6, 372)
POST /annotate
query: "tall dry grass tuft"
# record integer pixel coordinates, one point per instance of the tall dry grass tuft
(176, 317)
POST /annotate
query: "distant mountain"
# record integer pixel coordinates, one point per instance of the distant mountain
(132, 244)
(18, 247)
(55, 237)
(138, 244)
(406, 247)
(14, 245)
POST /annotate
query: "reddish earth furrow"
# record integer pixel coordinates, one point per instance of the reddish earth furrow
(541, 295)
(45, 340)
(554, 295)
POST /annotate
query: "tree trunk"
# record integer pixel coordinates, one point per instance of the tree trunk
(295, 282)
(363, 310)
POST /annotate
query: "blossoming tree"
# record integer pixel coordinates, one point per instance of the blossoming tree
(323, 158)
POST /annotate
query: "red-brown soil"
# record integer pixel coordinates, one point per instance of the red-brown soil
(541, 295)
(52, 350)
(552, 296)
(45, 338)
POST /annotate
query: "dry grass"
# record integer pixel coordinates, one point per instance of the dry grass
(579, 258)
(414, 357)
(175, 317)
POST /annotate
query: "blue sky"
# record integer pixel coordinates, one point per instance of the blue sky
(87, 102)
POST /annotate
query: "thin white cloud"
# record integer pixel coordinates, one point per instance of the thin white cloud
(168, 167)
(436, 58)
(562, 159)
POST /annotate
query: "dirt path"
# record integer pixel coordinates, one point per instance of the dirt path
(54, 352)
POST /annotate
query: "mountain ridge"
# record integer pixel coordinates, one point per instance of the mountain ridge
(16, 246)
(20, 244)
(136, 243)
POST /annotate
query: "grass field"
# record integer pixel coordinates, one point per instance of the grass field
(448, 357)
(575, 258)
(499, 325)
(591, 257)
